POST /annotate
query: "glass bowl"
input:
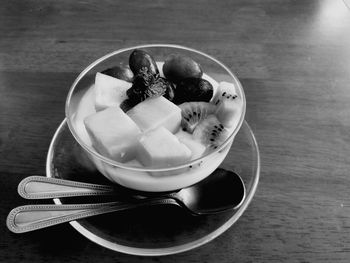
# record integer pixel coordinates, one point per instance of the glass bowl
(131, 174)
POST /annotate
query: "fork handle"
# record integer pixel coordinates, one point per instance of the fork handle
(32, 217)
(40, 187)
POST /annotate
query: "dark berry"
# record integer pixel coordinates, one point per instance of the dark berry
(193, 89)
(178, 67)
(140, 60)
(120, 72)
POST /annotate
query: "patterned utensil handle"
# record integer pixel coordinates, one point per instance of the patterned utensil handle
(32, 217)
(40, 187)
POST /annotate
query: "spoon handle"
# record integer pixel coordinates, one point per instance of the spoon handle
(32, 217)
(40, 187)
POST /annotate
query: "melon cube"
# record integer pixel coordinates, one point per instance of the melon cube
(113, 134)
(85, 101)
(161, 148)
(228, 112)
(109, 91)
(155, 112)
(197, 148)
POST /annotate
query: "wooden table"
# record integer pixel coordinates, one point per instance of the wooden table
(293, 59)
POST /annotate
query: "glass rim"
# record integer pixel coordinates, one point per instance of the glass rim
(107, 160)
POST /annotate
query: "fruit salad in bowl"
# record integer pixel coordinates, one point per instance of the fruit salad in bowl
(156, 117)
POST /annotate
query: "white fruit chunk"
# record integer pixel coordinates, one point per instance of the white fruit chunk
(228, 104)
(228, 112)
(155, 112)
(161, 148)
(226, 91)
(85, 101)
(113, 134)
(109, 91)
(197, 148)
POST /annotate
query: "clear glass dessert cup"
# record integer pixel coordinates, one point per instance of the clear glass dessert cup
(132, 175)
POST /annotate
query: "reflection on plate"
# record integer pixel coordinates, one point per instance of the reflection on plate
(151, 231)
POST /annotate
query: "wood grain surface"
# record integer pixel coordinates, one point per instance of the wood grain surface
(293, 59)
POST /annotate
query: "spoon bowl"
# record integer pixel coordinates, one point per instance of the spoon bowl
(220, 191)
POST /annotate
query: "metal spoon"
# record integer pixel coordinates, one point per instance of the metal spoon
(221, 191)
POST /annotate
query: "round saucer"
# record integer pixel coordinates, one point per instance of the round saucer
(150, 231)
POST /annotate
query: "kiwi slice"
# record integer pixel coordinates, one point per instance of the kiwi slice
(226, 91)
(193, 113)
(211, 132)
